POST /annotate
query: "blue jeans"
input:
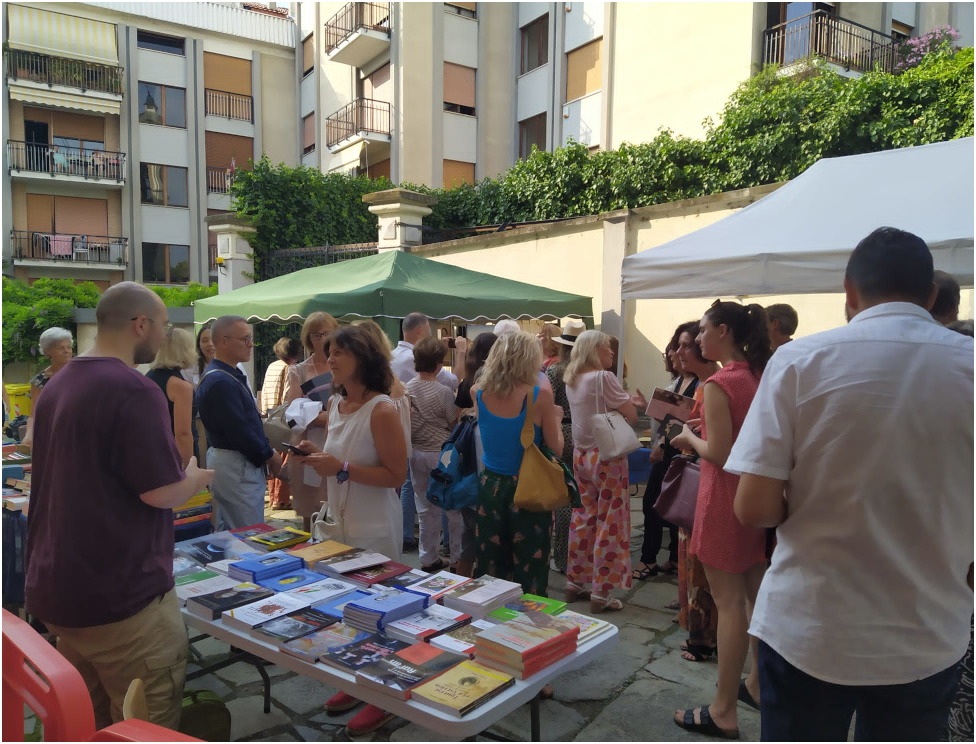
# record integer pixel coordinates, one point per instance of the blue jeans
(409, 507)
(238, 489)
(798, 707)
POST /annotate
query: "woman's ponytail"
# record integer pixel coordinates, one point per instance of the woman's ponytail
(756, 345)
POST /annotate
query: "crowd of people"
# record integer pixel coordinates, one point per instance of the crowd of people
(823, 540)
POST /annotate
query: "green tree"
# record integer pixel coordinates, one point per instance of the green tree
(185, 296)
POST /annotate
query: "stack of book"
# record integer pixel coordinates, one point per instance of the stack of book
(461, 640)
(323, 591)
(249, 616)
(525, 603)
(289, 580)
(312, 554)
(590, 627)
(374, 612)
(427, 624)
(402, 671)
(336, 607)
(259, 567)
(200, 582)
(242, 533)
(211, 606)
(404, 580)
(356, 655)
(439, 584)
(462, 688)
(214, 548)
(526, 645)
(293, 626)
(370, 577)
(480, 596)
(196, 509)
(313, 646)
(289, 537)
(343, 563)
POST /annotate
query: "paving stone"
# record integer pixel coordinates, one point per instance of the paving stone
(313, 734)
(557, 722)
(415, 732)
(243, 673)
(644, 712)
(284, 736)
(675, 669)
(301, 694)
(598, 679)
(210, 647)
(210, 682)
(656, 595)
(633, 615)
(247, 717)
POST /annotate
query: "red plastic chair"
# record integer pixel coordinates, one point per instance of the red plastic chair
(36, 675)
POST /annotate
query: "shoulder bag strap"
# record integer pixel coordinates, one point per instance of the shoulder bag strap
(601, 400)
(528, 428)
(225, 372)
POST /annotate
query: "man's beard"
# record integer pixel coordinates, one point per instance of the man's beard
(144, 353)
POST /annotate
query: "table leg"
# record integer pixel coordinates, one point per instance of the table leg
(240, 656)
(534, 717)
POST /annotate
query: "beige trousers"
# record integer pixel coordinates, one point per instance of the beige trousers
(151, 645)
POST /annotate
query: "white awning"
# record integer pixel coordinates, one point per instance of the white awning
(799, 238)
(61, 35)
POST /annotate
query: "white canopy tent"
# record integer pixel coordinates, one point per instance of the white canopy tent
(798, 239)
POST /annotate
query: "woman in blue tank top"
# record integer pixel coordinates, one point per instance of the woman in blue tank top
(512, 544)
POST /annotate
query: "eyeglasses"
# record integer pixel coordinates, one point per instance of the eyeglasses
(315, 336)
(167, 327)
(246, 339)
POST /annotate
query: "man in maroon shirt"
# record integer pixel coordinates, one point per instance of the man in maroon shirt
(100, 533)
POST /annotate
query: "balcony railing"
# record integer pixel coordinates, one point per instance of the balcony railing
(364, 115)
(58, 160)
(219, 180)
(86, 249)
(352, 18)
(73, 73)
(228, 105)
(823, 35)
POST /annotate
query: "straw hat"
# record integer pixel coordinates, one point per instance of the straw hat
(571, 332)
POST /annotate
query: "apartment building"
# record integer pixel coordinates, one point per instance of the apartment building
(441, 93)
(124, 124)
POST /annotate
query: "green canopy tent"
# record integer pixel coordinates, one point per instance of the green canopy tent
(390, 286)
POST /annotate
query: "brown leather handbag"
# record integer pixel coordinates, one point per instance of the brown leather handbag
(679, 492)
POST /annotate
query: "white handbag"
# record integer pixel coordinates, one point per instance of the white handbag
(614, 436)
(327, 523)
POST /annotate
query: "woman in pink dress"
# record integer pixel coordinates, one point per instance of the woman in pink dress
(734, 556)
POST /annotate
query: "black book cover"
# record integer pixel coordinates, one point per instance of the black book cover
(406, 669)
(318, 388)
(360, 654)
(216, 603)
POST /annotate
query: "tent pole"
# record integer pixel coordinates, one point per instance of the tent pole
(623, 340)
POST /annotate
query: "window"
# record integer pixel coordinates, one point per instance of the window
(160, 43)
(164, 185)
(900, 32)
(535, 44)
(584, 70)
(72, 145)
(532, 132)
(165, 264)
(468, 10)
(458, 89)
(308, 54)
(162, 104)
(308, 129)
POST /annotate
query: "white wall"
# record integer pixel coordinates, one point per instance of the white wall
(230, 126)
(228, 48)
(903, 13)
(161, 68)
(308, 95)
(528, 12)
(584, 23)
(961, 19)
(163, 145)
(164, 225)
(460, 137)
(460, 40)
(532, 88)
(308, 20)
(583, 120)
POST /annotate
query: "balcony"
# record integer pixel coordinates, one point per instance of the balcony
(228, 105)
(97, 251)
(219, 180)
(67, 83)
(837, 41)
(358, 33)
(363, 120)
(67, 164)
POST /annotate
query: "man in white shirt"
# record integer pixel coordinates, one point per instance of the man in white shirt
(859, 446)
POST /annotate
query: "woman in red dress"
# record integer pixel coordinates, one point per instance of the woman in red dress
(734, 556)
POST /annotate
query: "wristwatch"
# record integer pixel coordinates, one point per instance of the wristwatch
(343, 475)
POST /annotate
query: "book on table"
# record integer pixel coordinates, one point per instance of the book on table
(398, 673)
(214, 604)
(291, 580)
(462, 688)
(335, 607)
(221, 567)
(242, 533)
(403, 581)
(426, 624)
(439, 584)
(292, 626)
(323, 591)
(356, 655)
(209, 585)
(247, 617)
(461, 640)
(367, 577)
(525, 669)
(377, 610)
(482, 595)
(314, 645)
(590, 627)
(216, 547)
(312, 554)
(282, 539)
(198, 574)
(183, 564)
(345, 563)
(319, 389)
(526, 603)
(257, 567)
(532, 634)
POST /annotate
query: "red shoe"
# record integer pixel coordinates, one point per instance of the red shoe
(341, 702)
(368, 720)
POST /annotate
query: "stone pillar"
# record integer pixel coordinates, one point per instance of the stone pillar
(401, 213)
(235, 262)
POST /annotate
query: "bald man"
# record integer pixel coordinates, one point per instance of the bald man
(100, 535)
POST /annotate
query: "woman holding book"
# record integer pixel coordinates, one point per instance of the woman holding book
(365, 460)
(599, 536)
(309, 490)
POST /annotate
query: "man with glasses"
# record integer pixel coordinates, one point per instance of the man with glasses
(239, 450)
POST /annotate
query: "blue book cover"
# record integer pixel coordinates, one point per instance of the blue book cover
(335, 607)
(390, 601)
(265, 566)
(291, 580)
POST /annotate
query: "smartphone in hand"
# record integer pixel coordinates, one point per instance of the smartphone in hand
(294, 450)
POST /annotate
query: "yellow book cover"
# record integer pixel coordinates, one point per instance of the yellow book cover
(320, 551)
(464, 687)
(279, 539)
(204, 497)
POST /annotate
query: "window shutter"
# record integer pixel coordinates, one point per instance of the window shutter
(40, 213)
(229, 74)
(308, 52)
(584, 70)
(76, 216)
(458, 85)
(79, 126)
(309, 122)
(222, 147)
(379, 85)
(456, 173)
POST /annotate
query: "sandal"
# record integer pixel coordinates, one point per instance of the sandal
(341, 702)
(698, 651)
(706, 725)
(643, 574)
(575, 593)
(746, 697)
(604, 604)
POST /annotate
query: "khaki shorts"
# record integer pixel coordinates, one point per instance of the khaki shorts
(151, 645)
